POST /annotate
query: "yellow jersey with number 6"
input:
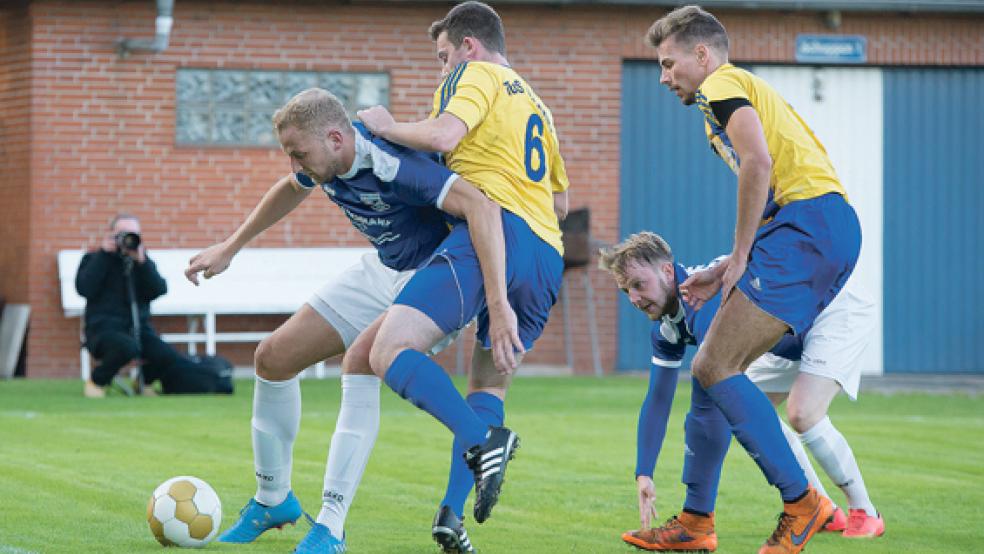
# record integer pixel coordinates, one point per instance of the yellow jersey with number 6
(510, 151)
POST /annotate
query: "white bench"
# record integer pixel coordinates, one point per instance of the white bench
(260, 281)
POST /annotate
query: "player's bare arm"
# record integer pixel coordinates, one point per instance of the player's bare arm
(285, 195)
(440, 134)
(484, 219)
(748, 139)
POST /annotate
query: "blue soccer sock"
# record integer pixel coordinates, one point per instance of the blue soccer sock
(420, 380)
(707, 436)
(460, 479)
(756, 426)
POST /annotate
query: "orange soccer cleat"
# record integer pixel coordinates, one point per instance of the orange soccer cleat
(686, 532)
(798, 522)
(862, 526)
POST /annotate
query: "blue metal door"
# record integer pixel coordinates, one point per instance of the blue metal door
(934, 197)
(671, 184)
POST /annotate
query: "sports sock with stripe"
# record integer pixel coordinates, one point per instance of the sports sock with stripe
(276, 417)
(834, 455)
(351, 444)
(793, 440)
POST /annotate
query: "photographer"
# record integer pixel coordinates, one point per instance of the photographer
(108, 279)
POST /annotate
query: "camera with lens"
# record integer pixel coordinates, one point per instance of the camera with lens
(127, 241)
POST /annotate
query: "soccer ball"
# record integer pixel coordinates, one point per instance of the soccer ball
(184, 511)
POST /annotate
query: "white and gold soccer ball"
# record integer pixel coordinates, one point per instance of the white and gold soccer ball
(184, 511)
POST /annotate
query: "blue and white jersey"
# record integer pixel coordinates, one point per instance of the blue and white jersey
(393, 195)
(672, 334)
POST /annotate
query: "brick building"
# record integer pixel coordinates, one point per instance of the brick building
(85, 133)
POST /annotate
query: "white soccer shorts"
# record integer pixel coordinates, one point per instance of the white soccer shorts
(353, 300)
(832, 348)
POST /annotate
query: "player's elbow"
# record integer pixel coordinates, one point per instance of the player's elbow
(481, 209)
(446, 132)
(757, 164)
(443, 140)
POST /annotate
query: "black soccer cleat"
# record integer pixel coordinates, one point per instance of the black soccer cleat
(449, 532)
(488, 462)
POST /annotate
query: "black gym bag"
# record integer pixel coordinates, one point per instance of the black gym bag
(199, 375)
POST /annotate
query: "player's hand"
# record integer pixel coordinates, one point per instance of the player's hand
(504, 336)
(736, 268)
(377, 119)
(700, 287)
(210, 262)
(647, 501)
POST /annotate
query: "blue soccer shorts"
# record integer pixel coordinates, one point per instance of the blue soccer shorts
(449, 288)
(801, 259)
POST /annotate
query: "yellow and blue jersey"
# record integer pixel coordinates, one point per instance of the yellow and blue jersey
(801, 168)
(511, 151)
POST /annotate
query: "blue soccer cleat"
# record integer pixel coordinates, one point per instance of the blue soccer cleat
(319, 540)
(256, 518)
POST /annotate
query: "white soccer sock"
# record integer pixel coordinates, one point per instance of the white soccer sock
(355, 435)
(804, 461)
(834, 455)
(276, 417)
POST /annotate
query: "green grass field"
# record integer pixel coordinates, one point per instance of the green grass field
(75, 474)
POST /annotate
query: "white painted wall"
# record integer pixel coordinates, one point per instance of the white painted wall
(843, 106)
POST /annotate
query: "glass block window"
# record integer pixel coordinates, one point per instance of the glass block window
(233, 107)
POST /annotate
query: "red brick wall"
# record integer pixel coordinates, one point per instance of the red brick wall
(102, 127)
(15, 151)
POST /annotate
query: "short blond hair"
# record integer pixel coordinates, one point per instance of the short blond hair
(643, 247)
(690, 25)
(314, 109)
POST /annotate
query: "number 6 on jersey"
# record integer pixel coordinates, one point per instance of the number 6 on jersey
(534, 142)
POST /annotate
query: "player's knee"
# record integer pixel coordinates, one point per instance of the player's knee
(384, 352)
(381, 355)
(261, 359)
(710, 370)
(356, 362)
(801, 417)
(267, 362)
(702, 369)
(486, 378)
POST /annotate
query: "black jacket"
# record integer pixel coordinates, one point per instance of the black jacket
(102, 282)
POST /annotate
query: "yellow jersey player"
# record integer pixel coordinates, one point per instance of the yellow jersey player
(495, 131)
(796, 242)
(511, 146)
